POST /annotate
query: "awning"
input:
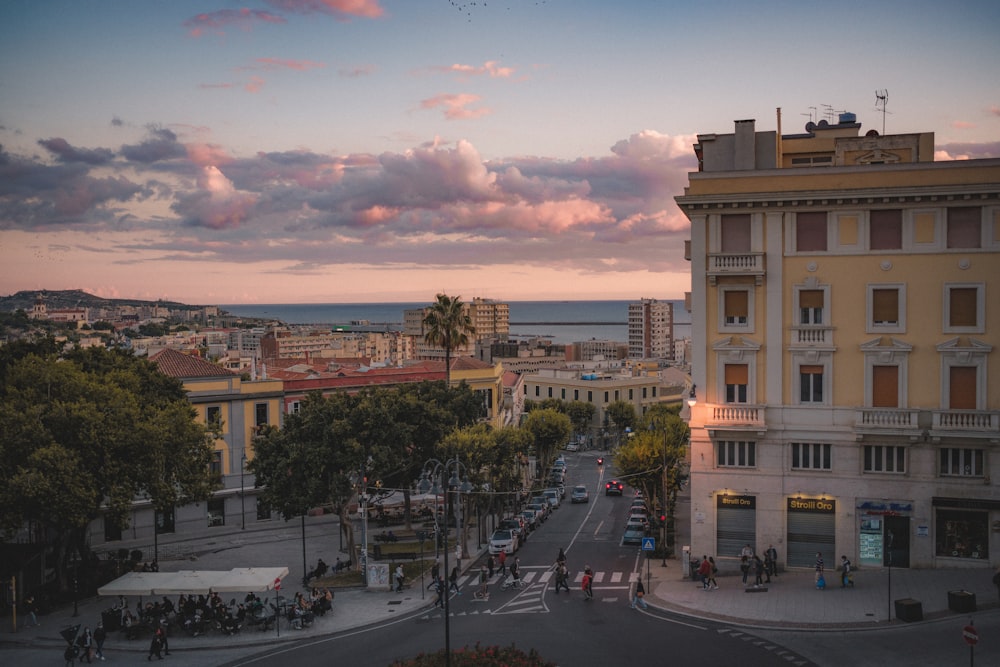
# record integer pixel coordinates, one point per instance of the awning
(237, 580)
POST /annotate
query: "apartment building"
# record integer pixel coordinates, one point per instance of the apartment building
(490, 318)
(846, 328)
(650, 329)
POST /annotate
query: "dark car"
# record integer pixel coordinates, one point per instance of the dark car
(613, 488)
(580, 494)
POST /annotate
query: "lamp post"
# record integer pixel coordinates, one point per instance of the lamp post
(243, 508)
(74, 559)
(437, 470)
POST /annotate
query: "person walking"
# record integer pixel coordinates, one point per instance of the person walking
(399, 578)
(86, 642)
(745, 568)
(100, 636)
(490, 565)
(639, 597)
(31, 610)
(820, 579)
(439, 591)
(155, 647)
(758, 570)
(453, 581)
(562, 576)
(704, 570)
(712, 571)
(435, 573)
(771, 560)
(587, 585)
(845, 572)
(502, 559)
(484, 583)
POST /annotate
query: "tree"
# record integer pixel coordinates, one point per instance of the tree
(86, 434)
(448, 326)
(550, 430)
(581, 415)
(622, 415)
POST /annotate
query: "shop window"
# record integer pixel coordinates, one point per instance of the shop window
(810, 306)
(965, 227)
(885, 230)
(811, 456)
(885, 458)
(962, 382)
(737, 453)
(885, 386)
(736, 383)
(961, 462)
(810, 232)
(962, 534)
(810, 384)
(735, 234)
(216, 512)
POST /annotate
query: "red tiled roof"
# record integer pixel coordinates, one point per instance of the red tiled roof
(179, 365)
(468, 364)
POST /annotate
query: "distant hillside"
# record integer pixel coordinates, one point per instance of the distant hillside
(75, 298)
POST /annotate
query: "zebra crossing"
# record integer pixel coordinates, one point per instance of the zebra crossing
(543, 574)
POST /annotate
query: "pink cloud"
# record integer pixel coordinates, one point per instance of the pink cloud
(454, 105)
(243, 18)
(343, 9)
(217, 204)
(489, 68)
(254, 85)
(963, 125)
(205, 155)
(209, 86)
(995, 110)
(300, 65)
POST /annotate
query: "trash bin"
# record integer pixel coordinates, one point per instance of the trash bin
(685, 560)
(909, 610)
(962, 601)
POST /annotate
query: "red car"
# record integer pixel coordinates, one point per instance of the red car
(613, 488)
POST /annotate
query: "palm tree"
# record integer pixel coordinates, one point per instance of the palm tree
(448, 325)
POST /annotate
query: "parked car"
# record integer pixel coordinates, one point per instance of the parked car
(503, 540)
(633, 535)
(541, 510)
(580, 494)
(516, 525)
(613, 488)
(530, 519)
(638, 513)
(553, 495)
(637, 522)
(572, 447)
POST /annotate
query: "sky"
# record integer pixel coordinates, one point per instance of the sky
(343, 151)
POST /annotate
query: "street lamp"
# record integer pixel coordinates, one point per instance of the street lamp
(74, 559)
(437, 470)
(243, 508)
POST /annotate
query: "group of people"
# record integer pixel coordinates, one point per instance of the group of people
(87, 645)
(751, 563)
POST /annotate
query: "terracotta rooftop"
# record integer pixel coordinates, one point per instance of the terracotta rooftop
(179, 365)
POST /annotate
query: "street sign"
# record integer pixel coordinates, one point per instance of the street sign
(649, 544)
(970, 635)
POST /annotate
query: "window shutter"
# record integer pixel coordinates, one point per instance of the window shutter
(811, 298)
(886, 229)
(962, 305)
(736, 233)
(736, 374)
(962, 387)
(810, 231)
(885, 305)
(811, 370)
(885, 386)
(736, 304)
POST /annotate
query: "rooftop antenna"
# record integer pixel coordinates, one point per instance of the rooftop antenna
(881, 99)
(811, 114)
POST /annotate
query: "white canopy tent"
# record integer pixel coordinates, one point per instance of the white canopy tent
(237, 580)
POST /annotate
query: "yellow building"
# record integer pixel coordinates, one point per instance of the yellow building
(844, 304)
(486, 380)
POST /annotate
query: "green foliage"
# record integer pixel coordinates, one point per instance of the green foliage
(448, 326)
(550, 430)
(478, 656)
(581, 415)
(652, 459)
(103, 325)
(153, 329)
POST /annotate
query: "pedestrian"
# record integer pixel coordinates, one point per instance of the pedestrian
(704, 570)
(745, 568)
(491, 565)
(758, 570)
(484, 582)
(845, 572)
(712, 571)
(85, 641)
(746, 552)
(453, 581)
(31, 611)
(439, 591)
(639, 598)
(561, 557)
(771, 557)
(435, 573)
(399, 578)
(587, 585)
(502, 560)
(69, 655)
(161, 632)
(820, 580)
(562, 577)
(155, 647)
(515, 569)
(100, 635)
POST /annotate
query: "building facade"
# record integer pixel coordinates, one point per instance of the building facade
(651, 329)
(846, 328)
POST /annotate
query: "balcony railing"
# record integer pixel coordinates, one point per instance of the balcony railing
(888, 419)
(749, 263)
(811, 335)
(736, 416)
(967, 421)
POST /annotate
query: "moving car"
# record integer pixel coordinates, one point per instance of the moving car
(580, 494)
(613, 488)
(503, 540)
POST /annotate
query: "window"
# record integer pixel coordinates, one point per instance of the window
(112, 530)
(810, 384)
(885, 386)
(644, 392)
(810, 232)
(630, 397)
(885, 307)
(962, 462)
(962, 387)
(538, 390)
(605, 397)
(962, 534)
(654, 392)
(213, 416)
(576, 394)
(885, 231)
(811, 456)
(964, 308)
(810, 306)
(164, 521)
(216, 512)
(736, 233)
(562, 393)
(550, 392)
(964, 227)
(736, 307)
(885, 458)
(294, 407)
(590, 397)
(260, 414)
(736, 383)
(215, 466)
(737, 453)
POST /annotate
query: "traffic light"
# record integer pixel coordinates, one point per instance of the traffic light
(663, 518)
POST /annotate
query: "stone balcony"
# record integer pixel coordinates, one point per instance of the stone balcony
(896, 421)
(814, 335)
(966, 423)
(735, 417)
(735, 264)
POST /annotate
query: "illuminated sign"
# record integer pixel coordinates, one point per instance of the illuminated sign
(736, 502)
(820, 505)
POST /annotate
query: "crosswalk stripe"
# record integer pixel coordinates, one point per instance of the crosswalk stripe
(616, 577)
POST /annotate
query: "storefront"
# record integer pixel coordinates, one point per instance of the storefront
(884, 532)
(962, 527)
(812, 527)
(736, 524)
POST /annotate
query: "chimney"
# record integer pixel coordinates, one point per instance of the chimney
(745, 150)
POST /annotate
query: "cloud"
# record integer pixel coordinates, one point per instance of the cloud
(254, 84)
(454, 105)
(963, 125)
(283, 63)
(66, 153)
(161, 144)
(342, 9)
(216, 204)
(967, 151)
(995, 110)
(242, 18)
(356, 71)
(489, 68)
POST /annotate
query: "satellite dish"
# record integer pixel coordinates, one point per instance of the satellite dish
(810, 126)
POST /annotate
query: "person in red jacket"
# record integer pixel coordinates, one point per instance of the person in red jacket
(588, 584)
(704, 571)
